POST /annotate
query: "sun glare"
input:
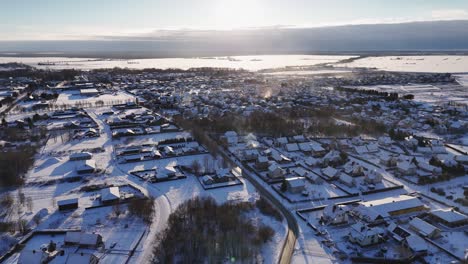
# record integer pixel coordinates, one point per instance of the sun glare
(231, 14)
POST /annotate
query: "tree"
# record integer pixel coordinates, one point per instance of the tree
(284, 186)
(29, 203)
(196, 167)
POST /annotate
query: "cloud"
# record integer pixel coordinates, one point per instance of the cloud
(450, 14)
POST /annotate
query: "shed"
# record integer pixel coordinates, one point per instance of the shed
(68, 204)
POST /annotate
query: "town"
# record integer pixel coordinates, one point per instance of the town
(346, 165)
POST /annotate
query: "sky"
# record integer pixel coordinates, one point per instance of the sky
(91, 19)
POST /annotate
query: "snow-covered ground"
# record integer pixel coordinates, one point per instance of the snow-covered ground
(246, 62)
(446, 63)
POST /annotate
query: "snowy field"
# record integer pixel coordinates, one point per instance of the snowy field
(252, 63)
(453, 64)
(437, 93)
(73, 98)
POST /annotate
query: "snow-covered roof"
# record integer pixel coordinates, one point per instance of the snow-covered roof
(416, 243)
(386, 206)
(449, 215)
(87, 165)
(67, 201)
(330, 172)
(423, 227)
(110, 194)
(292, 147)
(81, 155)
(295, 182)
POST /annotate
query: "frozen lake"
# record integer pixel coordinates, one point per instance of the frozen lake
(252, 63)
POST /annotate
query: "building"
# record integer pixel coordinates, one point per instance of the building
(295, 184)
(416, 244)
(424, 228)
(448, 217)
(391, 207)
(109, 195)
(88, 166)
(364, 235)
(81, 156)
(330, 173)
(261, 163)
(68, 204)
(335, 214)
(347, 180)
(87, 240)
(275, 171)
(89, 92)
(373, 177)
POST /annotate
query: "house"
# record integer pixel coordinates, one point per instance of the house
(275, 171)
(282, 141)
(311, 161)
(88, 166)
(305, 147)
(364, 235)
(424, 228)
(299, 138)
(373, 177)
(223, 175)
(335, 214)
(82, 239)
(261, 163)
(330, 173)
(208, 180)
(231, 138)
(250, 154)
(109, 195)
(317, 149)
(353, 169)
(416, 244)
(80, 156)
(68, 204)
(291, 147)
(347, 180)
(166, 172)
(81, 258)
(387, 160)
(448, 217)
(385, 141)
(295, 184)
(406, 167)
(398, 232)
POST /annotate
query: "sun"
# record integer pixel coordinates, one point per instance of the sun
(232, 14)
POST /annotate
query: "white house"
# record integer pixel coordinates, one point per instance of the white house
(88, 166)
(373, 177)
(330, 173)
(406, 167)
(364, 235)
(335, 214)
(275, 171)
